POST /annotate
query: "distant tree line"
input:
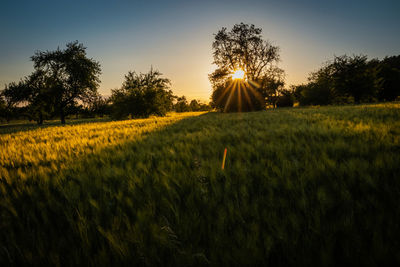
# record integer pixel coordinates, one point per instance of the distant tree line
(65, 83)
(351, 79)
(182, 105)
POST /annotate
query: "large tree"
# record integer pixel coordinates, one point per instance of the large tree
(243, 48)
(70, 75)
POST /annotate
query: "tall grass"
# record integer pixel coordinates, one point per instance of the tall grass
(303, 186)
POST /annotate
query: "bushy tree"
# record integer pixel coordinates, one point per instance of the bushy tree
(355, 77)
(344, 80)
(194, 105)
(389, 72)
(285, 98)
(181, 104)
(70, 75)
(318, 90)
(12, 95)
(244, 48)
(3, 109)
(60, 80)
(142, 95)
(99, 106)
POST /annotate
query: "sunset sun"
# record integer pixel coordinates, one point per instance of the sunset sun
(238, 74)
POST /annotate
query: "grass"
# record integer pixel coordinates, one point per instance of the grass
(301, 186)
(23, 125)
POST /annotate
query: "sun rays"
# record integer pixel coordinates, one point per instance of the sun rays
(239, 93)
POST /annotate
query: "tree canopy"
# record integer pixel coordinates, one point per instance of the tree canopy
(71, 75)
(142, 95)
(351, 79)
(60, 79)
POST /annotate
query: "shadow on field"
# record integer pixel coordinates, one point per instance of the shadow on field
(285, 198)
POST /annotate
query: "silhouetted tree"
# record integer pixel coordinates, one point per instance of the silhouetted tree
(319, 89)
(389, 72)
(344, 80)
(194, 105)
(99, 106)
(285, 98)
(70, 75)
(243, 48)
(181, 104)
(354, 77)
(142, 95)
(3, 109)
(12, 94)
(39, 95)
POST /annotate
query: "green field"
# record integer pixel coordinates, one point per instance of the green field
(301, 186)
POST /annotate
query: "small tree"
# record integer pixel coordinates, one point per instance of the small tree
(3, 109)
(181, 104)
(99, 106)
(285, 98)
(142, 95)
(12, 94)
(194, 105)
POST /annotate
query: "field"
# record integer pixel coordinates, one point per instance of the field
(301, 186)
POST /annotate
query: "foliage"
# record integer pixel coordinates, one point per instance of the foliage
(98, 106)
(61, 78)
(3, 109)
(389, 72)
(70, 75)
(285, 99)
(7, 102)
(33, 91)
(301, 187)
(354, 77)
(351, 80)
(195, 105)
(181, 104)
(313, 94)
(142, 95)
(243, 48)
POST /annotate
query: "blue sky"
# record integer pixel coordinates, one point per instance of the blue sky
(176, 36)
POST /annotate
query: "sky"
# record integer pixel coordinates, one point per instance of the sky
(176, 37)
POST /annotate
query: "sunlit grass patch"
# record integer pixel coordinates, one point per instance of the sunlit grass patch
(54, 147)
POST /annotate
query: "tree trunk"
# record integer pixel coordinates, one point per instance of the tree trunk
(40, 120)
(62, 115)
